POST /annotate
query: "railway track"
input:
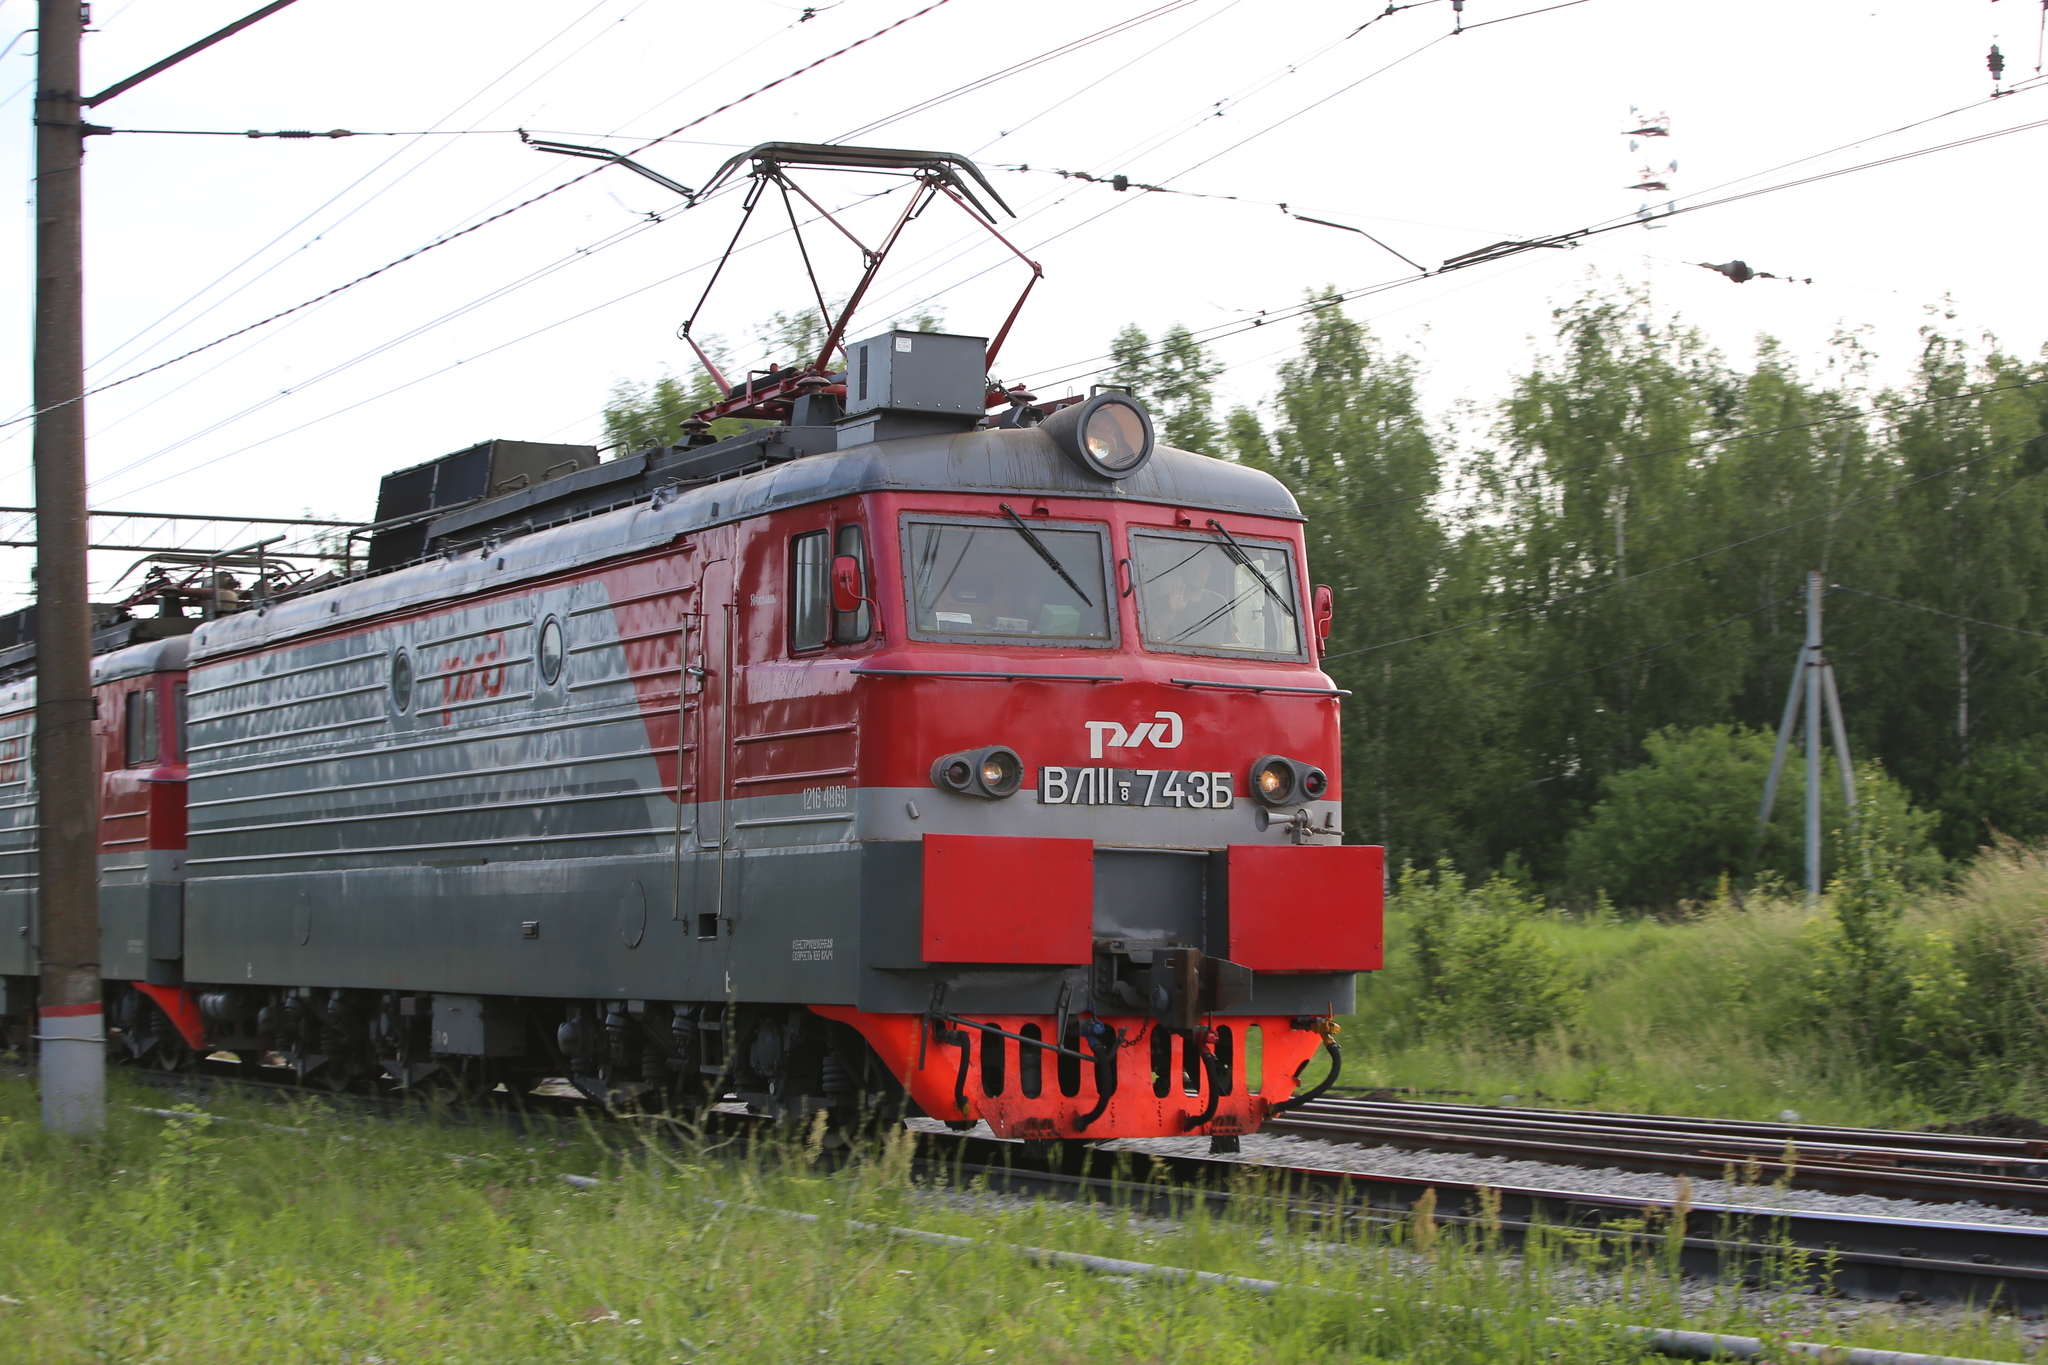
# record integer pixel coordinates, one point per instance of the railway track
(1854, 1255)
(1936, 1168)
(1859, 1256)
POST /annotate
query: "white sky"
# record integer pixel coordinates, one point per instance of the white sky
(1506, 131)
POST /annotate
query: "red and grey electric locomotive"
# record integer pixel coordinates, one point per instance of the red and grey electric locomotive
(890, 753)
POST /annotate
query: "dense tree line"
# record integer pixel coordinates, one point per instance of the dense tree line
(1605, 572)
(1569, 620)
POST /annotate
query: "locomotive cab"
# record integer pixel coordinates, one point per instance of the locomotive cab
(1095, 787)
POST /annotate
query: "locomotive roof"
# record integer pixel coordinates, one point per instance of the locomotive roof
(1021, 462)
(151, 656)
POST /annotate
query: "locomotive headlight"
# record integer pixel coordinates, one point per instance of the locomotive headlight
(992, 772)
(1274, 780)
(1109, 435)
(1001, 773)
(1279, 781)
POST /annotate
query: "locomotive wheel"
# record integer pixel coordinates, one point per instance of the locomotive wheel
(171, 1054)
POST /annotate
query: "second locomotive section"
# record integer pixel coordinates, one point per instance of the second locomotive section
(1019, 770)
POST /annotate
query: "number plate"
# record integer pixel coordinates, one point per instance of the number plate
(1134, 787)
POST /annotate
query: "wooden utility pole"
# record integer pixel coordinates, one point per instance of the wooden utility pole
(72, 1026)
(73, 1031)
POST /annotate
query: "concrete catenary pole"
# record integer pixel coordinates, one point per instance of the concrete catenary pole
(72, 1030)
(72, 1025)
(1814, 588)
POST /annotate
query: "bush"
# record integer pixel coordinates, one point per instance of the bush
(2002, 794)
(1671, 829)
(1486, 973)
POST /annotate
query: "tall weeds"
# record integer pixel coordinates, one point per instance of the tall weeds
(326, 1238)
(1883, 1005)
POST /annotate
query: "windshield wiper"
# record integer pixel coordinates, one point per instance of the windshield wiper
(1237, 552)
(1043, 553)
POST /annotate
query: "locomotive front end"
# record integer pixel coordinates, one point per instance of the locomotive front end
(1107, 893)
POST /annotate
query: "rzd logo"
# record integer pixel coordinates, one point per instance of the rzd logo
(1163, 733)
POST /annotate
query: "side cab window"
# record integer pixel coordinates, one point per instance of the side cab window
(810, 592)
(813, 623)
(139, 727)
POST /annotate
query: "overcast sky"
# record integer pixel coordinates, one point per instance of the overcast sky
(1436, 143)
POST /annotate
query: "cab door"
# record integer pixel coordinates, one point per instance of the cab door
(710, 673)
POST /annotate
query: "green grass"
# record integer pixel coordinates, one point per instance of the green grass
(1707, 1015)
(413, 1242)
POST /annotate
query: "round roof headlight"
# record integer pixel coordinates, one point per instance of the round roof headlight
(1115, 436)
(1108, 435)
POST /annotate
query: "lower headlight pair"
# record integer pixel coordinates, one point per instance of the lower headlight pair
(1278, 780)
(992, 772)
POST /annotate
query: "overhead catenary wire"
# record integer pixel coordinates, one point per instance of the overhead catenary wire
(423, 378)
(1152, 145)
(330, 227)
(414, 169)
(439, 242)
(1094, 84)
(501, 291)
(1655, 649)
(1937, 611)
(1310, 108)
(1504, 250)
(107, 356)
(1390, 285)
(582, 253)
(1562, 239)
(1016, 68)
(1234, 328)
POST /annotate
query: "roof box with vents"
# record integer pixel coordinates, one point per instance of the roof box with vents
(906, 383)
(487, 470)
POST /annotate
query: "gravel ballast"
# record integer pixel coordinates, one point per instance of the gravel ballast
(1286, 1150)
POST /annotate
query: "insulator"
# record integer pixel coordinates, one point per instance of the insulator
(1996, 62)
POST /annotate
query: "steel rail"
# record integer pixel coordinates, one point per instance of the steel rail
(2026, 1157)
(2004, 1172)
(1777, 1130)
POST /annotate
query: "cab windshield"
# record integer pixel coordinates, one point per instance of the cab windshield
(988, 578)
(1203, 594)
